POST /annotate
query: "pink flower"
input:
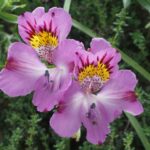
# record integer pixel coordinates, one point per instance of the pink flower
(44, 30)
(24, 73)
(99, 93)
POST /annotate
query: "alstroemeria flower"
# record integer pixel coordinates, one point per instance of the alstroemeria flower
(99, 93)
(44, 30)
(24, 73)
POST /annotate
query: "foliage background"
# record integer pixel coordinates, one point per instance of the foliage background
(126, 24)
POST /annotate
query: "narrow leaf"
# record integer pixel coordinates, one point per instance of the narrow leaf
(126, 3)
(83, 28)
(135, 65)
(145, 4)
(8, 17)
(125, 57)
(139, 131)
(67, 4)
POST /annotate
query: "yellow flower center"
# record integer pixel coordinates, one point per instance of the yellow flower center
(91, 70)
(43, 38)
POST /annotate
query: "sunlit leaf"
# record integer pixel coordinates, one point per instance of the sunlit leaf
(3, 3)
(8, 17)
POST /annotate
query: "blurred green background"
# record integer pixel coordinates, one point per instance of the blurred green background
(126, 24)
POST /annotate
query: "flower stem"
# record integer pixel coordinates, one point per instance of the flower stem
(67, 144)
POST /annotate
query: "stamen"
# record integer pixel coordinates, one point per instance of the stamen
(47, 75)
(92, 75)
(44, 43)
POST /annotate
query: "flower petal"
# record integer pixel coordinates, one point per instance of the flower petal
(66, 120)
(62, 21)
(38, 12)
(98, 44)
(22, 70)
(118, 95)
(50, 88)
(94, 119)
(65, 54)
(26, 26)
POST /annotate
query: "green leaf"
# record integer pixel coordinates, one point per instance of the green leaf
(3, 3)
(83, 28)
(135, 65)
(139, 131)
(145, 4)
(67, 4)
(147, 25)
(125, 57)
(8, 17)
(126, 3)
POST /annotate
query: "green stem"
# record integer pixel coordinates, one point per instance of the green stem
(67, 4)
(138, 130)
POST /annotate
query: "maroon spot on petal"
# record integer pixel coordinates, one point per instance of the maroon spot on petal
(87, 61)
(45, 28)
(99, 143)
(22, 14)
(60, 107)
(45, 110)
(50, 26)
(103, 57)
(11, 64)
(110, 67)
(130, 96)
(31, 27)
(108, 61)
(53, 14)
(55, 32)
(94, 122)
(97, 58)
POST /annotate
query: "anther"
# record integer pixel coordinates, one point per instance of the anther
(47, 75)
(93, 105)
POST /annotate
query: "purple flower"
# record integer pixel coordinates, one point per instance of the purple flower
(24, 73)
(99, 93)
(44, 30)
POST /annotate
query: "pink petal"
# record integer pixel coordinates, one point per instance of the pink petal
(118, 95)
(38, 13)
(27, 26)
(98, 44)
(48, 90)
(22, 70)
(135, 108)
(94, 118)
(66, 120)
(62, 22)
(65, 54)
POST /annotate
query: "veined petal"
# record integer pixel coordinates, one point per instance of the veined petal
(27, 25)
(22, 70)
(56, 22)
(50, 88)
(94, 119)
(118, 95)
(62, 22)
(66, 121)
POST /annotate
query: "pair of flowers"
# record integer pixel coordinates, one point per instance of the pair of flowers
(84, 86)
